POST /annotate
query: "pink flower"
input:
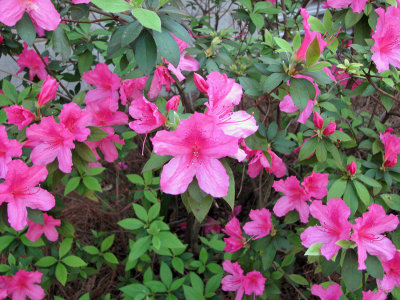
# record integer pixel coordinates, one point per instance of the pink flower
(8, 149)
(367, 234)
(334, 226)
(387, 38)
(35, 231)
(200, 83)
(23, 284)
(1, 39)
(42, 12)
(235, 241)
(31, 60)
(4, 284)
(333, 292)
(161, 77)
(337, 3)
(330, 128)
(254, 283)
(146, 114)
(19, 115)
(369, 295)
(315, 185)
(107, 145)
(309, 37)
(103, 115)
(107, 84)
(233, 282)
(132, 89)
(212, 225)
(391, 144)
(259, 162)
(76, 120)
(351, 168)
(260, 225)
(392, 273)
(173, 103)
(48, 91)
(318, 121)
(19, 191)
(50, 141)
(343, 78)
(196, 145)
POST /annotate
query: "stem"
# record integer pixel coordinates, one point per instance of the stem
(88, 22)
(289, 281)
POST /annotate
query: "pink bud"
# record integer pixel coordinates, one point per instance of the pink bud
(48, 91)
(318, 121)
(352, 168)
(200, 82)
(331, 128)
(172, 104)
(389, 130)
(1, 39)
(391, 162)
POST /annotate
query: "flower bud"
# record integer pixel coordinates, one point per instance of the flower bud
(200, 82)
(48, 91)
(318, 121)
(351, 168)
(172, 104)
(391, 162)
(331, 128)
(390, 129)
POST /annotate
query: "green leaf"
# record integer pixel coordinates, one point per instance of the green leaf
(230, 197)
(107, 243)
(351, 199)
(258, 20)
(170, 240)
(362, 192)
(146, 52)
(85, 152)
(175, 28)
(135, 290)
(35, 216)
(166, 274)
(313, 52)
(114, 6)
(368, 180)
(131, 223)
(273, 81)
(155, 162)
(147, 18)
(199, 202)
(350, 273)
(139, 248)
(178, 264)
(9, 90)
(246, 4)
(320, 152)
(65, 247)
(96, 134)
(213, 284)
(284, 45)
(130, 34)
(308, 148)
(346, 244)
(74, 261)
(337, 189)
(374, 267)
(352, 18)
(167, 46)
(71, 185)
(140, 212)
(85, 61)
(136, 179)
(92, 184)
(46, 261)
(314, 250)
(26, 29)
(154, 211)
(298, 279)
(301, 90)
(61, 43)
(111, 258)
(61, 273)
(91, 250)
(392, 200)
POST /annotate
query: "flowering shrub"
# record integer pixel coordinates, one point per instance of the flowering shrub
(135, 135)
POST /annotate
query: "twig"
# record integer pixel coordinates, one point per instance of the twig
(368, 77)
(289, 281)
(88, 22)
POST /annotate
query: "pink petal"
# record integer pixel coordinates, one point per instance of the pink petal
(212, 177)
(176, 175)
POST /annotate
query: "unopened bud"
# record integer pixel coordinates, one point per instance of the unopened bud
(318, 121)
(331, 128)
(200, 82)
(172, 104)
(351, 168)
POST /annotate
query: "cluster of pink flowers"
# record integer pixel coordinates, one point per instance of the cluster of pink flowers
(23, 284)
(391, 144)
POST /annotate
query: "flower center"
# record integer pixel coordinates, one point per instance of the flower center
(195, 155)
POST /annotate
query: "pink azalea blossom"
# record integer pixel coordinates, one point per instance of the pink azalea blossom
(387, 38)
(107, 145)
(200, 83)
(315, 185)
(161, 78)
(19, 191)
(76, 120)
(103, 115)
(254, 283)
(8, 149)
(309, 37)
(106, 83)
(391, 144)
(196, 145)
(235, 242)
(259, 162)
(146, 114)
(132, 89)
(392, 274)
(351, 168)
(330, 128)
(31, 60)
(212, 225)
(4, 284)
(369, 295)
(295, 198)
(260, 225)
(50, 141)
(343, 78)
(35, 230)
(173, 103)
(334, 226)
(367, 234)
(318, 120)
(48, 91)
(42, 12)
(233, 282)
(337, 3)
(19, 115)
(333, 292)
(26, 284)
